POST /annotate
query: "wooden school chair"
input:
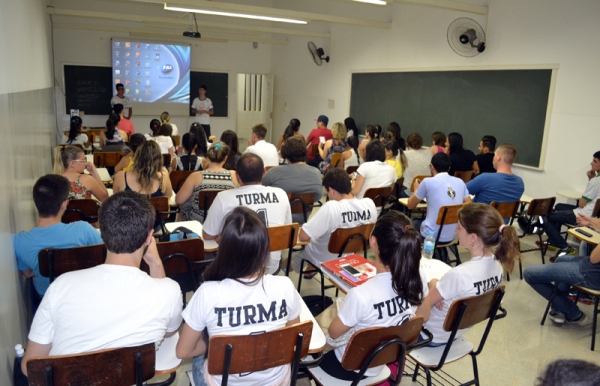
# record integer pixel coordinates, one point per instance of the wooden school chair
(205, 199)
(85, 209)
(237, 354)
(54, 262)
(373, 347)
(302, 203)
(380, 197)
(351, 169)
(166, 161)
(176, 140)
(284, 237)
(107, 159)
(466, 175)
(178, 178)
(337, 160)
(539, 207)
(447, 215)
(414, 181)
(463, 313)
(506, 210)
(119, 366)
(163, 211)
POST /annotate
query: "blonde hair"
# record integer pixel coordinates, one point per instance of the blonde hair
(218, 151)
(338, 130)
(63, 155)
(165, 117)
(147, 163)
(509, 153)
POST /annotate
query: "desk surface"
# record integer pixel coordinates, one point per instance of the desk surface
(595, 239)
(404, 202)
(572, 194)
(196, 227)
(166, 360)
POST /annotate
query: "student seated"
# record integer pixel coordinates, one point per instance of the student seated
(296, 176)
(371, 133)
(189, 160)
(76, 135)
(163, 138)
(51, 197)
(234, 281)
(115, 304)
(70, 161)
(480, 228)
(338, 144)
(292, 130)
(262, 148)
(484, 161)
(124, 124)
(201, 140)
(314, 138)
(460, 158)
(113, 139)
(397, 248)
(418, 159)
(147, 176)
(393, 156)
(126, 163)
(230, 138)
(165, 117)
(375, 172)
(438, 140)
(215, 177)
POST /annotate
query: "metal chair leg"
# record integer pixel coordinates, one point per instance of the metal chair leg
(594, 323)
(300, 274)
(554, 292)
(416, 373)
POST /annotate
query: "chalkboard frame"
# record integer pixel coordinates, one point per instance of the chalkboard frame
(65, 89)
(552, 67)
(218, 113)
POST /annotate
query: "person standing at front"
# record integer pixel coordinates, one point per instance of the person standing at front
(203, 108)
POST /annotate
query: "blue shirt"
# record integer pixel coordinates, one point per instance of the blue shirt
(499, 187)
(440, 190)
(29, 244)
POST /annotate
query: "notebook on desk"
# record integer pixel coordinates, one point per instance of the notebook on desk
(353, 269)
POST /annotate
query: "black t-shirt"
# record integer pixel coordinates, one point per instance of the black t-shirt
(485, 162)
(461, 161)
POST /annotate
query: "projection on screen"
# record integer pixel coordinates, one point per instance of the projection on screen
(152, 73)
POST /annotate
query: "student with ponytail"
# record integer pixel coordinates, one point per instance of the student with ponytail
(166, 118)
(188, 161)
(397, 248)
(292, 130)
(480, 228)
(76, 136)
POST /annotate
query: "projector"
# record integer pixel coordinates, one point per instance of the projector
(190, 34)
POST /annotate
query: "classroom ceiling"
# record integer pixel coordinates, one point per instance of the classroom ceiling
(149, 18)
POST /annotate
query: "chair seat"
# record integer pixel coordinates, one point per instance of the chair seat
(327, 380)
(430, 356)
(590, 291)
(443, 244)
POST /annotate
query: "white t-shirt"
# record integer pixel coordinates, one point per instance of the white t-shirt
(229, 307)
(205, 104)
(440, 190)
(475, 277)
(124, 101)
(164, 142)
(81, 139)
(591, 194)
(377, 174)
(265, 150)
(375, 304)
(418, 165)
(352, 161)
(271, 204)
(333, 215)
(105, 307)
(174, 127)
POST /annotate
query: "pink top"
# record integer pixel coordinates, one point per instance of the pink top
(127, 126)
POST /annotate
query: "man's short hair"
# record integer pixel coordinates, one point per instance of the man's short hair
(441, 162)
(338, 180)
(250, 168)
(375, 151)
(49, 192)
(294, 150)
(489, 141)
(204, 87)
(119, 85)
(597, 155)
(260, 131)
(509, 153)
(118, 108)
(125, 219)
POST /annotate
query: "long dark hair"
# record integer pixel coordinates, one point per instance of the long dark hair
(230, 138)
(455, 140)
(243, 230)
(154, 126)
(351, 125)
(373, 131)
(111, 125)
(399, 247)
(291, 129)
(200, 135)
(74, 129)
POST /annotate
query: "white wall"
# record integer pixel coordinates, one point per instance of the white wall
(26, 128)
(518, 33)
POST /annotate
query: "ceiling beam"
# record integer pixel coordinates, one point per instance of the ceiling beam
(448, 4)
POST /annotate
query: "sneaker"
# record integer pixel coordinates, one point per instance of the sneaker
(582, 319)
(556, 318)
(568, 251)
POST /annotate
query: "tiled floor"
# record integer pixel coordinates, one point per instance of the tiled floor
(518, 347)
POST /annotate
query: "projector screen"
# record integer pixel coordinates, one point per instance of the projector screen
(156, 76)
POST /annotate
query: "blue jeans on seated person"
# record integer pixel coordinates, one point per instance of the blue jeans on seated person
(198, 370)
(563, 215)
(565, 273)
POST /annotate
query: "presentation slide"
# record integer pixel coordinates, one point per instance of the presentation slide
(152, 73)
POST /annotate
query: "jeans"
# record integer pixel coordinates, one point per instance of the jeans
(564, 214)
(198, 370)
(564, 272)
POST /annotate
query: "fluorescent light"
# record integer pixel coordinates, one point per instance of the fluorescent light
(378, 2)
(233, 14)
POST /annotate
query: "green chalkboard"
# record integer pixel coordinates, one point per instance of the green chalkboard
(88, 89)
(509, 104)
(217, 84)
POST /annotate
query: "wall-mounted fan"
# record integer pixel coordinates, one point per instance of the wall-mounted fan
(318, 54)
(466, 37)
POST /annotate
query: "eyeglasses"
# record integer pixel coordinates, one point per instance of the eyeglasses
(80, 160)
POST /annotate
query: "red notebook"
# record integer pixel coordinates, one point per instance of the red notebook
(353, 269)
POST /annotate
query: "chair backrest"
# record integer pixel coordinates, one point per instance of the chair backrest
(596, 211)
(166, 160)
(363, 342)
(448, 214)
(176, 255)
(85, 209)
(506, 209)
(176, 140)
(161, 205)
(478, 309)
(465, 175)
(301, 202)
(540, 206)
(397, 187)
(258, 352)
(121, 366)
(415, 179)
(379, 195)
(314, 149)
(267, 168)
(283, 236)
(206, 198)
(350, 240)
(178, 177)
(351, 169)
(107, 159)
(335, 159)
(54, 262)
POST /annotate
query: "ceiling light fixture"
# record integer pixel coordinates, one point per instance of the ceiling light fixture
(234, 14)
(378, 2)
